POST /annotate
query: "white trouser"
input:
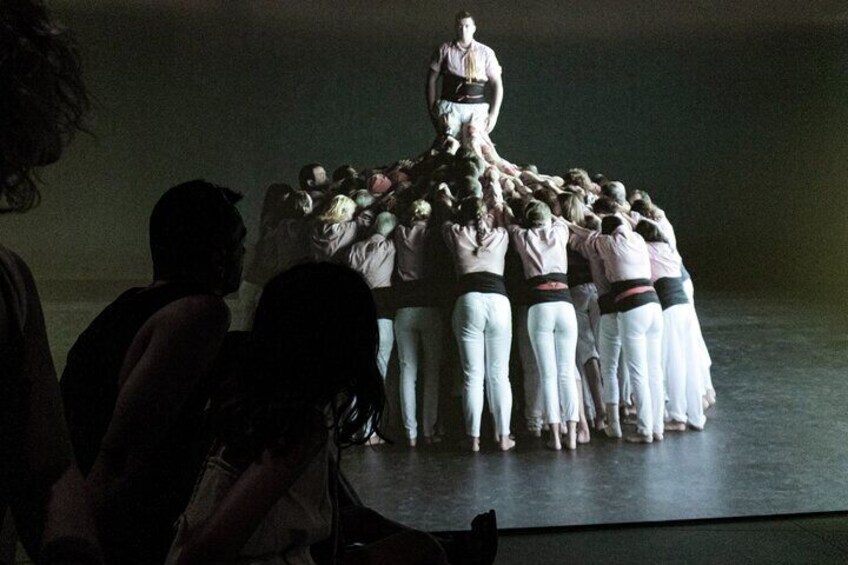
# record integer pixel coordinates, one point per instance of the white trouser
(248, 297)
(482, 323)
(609, 348)
(682, 365)
(553, 334)
(384, 349)
(384, 352)
(533, 406)
(641, 341)
(457, 115)
(585, 300)
(418, 331)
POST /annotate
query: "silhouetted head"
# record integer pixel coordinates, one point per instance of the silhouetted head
(315, 344)
(42, 98)
(197, 236)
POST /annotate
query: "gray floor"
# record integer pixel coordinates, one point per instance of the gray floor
(799, 539)
(774, 444)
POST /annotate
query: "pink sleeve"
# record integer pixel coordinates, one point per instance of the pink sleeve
(493, 68)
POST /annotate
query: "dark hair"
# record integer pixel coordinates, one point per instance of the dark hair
(307, 174)
(297, 204)
(312, 354)
(646, 208)
(610, 223)
(188, 224)
(605, 205)
(548, 195)
(342, 172)
(650, 231)
(42, 98)
(462, 15)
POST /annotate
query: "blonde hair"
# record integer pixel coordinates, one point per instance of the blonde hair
(340, 209)
(420, 210)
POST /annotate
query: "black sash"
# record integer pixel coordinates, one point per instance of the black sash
(670, 290)
(538, 296)
(484, 282)
(458, 89)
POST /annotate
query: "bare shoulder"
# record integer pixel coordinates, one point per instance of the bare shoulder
(198, 310)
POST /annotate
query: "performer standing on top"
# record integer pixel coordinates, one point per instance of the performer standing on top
(466, 66)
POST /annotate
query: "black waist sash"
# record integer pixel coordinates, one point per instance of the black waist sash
(458, 89)
(415, 294)
(537, 296)
(384, 300)
(625, 303)
(606, 303)
(670, 291)
(481, 282)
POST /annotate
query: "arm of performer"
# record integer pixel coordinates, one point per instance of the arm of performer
(497, 98)
(430, 91)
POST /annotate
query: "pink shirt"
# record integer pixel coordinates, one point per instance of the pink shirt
(471, 258)
(665, 261)
(410, 246)
(374, 259)
(450, 58)
(327, 240)
(624, 253)
(542, 250)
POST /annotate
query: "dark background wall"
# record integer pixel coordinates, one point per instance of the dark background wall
(733, 115)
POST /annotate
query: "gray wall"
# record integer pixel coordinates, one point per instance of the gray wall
(737, 128)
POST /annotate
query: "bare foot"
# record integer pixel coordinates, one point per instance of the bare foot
(639, 438)
(430, 440)
(554, 444)
(673, 426)
(375, 440)
(572, 437)
(658, 436)
(507, 443)
(599, 423)
(583, 435)
(412, 442)
(475, 444)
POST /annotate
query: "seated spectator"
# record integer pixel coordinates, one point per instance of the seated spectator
(44, 101)
(304, 387)
(135, 382)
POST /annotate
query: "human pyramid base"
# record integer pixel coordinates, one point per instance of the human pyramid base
(458, 242)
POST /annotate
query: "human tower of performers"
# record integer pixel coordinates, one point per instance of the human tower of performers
(460, 240)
